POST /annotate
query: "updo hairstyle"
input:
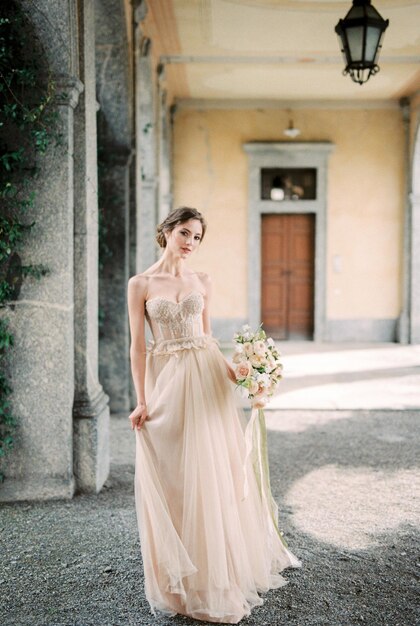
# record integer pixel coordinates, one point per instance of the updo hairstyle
(175, 217)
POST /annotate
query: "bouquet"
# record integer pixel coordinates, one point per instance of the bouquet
(258, 372)
(258, 368)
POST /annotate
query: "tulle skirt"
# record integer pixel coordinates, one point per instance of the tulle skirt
(208, 544)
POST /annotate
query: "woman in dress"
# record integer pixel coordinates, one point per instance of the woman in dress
(208, 544)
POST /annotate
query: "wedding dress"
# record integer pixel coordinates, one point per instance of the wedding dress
(208, 544)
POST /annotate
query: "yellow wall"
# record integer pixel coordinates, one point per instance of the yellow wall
(365, 200)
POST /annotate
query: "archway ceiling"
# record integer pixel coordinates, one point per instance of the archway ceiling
(275, 50)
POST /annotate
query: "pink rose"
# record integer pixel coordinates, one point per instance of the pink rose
(243, 370)
(259, 401)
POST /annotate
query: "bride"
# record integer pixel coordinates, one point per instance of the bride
(208, 546)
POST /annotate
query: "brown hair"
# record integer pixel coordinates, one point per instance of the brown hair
(175, 217)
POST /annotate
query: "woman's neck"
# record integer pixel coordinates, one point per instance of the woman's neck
(169, 264)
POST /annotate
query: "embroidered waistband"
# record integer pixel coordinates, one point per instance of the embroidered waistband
(173, 346)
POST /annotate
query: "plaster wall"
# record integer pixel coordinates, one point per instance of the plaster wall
(364, 203)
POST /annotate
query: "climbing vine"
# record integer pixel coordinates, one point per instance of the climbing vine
(27, 129)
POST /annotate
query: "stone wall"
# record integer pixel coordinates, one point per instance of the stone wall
(62, 440)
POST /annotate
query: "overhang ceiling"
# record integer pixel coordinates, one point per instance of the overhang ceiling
(271, 50)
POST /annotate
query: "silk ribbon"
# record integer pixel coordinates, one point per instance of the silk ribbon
(257, 452)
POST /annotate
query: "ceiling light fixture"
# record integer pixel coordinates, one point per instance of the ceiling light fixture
(291, 131)
(361, 33)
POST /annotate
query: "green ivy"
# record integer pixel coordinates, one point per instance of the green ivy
(27, 129)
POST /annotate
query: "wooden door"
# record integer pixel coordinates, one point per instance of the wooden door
(288, 259)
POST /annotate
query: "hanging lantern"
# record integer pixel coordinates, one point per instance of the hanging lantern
(361, 33)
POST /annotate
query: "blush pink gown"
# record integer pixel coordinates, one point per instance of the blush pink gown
(208, 544)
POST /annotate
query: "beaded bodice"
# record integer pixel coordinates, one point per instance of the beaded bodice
(172, 320)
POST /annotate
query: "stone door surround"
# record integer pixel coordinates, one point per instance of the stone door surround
(285, 155)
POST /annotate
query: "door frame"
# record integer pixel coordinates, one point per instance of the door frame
(287, 154)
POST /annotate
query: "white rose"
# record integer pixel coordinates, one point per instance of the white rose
(271, 363)
(253, 386)
(257, 361)
(259, 348)
(248, 348)
(237, 357)
(263, 380)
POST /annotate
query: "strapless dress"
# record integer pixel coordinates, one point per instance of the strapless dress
(208, 546)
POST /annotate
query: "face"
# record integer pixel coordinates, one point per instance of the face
(185, 238)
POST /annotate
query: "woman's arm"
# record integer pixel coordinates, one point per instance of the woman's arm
(206, 282)
(206, 321)
(136, 296)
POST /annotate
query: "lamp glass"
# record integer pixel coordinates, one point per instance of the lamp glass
(355, 41)
(373, 37)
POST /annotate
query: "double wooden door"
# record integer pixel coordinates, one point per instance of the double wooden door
(288, 259)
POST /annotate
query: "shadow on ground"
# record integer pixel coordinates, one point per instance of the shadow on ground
(346, 491)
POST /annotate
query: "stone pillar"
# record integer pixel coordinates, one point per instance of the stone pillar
(42, 321)
(165, 174)
(114, 77)
(114, 369)
(90, 411)
(403, 327)
(415, 267)
(146, 163)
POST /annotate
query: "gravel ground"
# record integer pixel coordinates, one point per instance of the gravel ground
(346, 487)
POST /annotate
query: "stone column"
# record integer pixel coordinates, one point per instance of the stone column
(415, 267)
(42, 321)
(146, 163)
(165, 174)
(90, 411)
(403, 326)
(132, 261)
(114, 369)
(114, 79)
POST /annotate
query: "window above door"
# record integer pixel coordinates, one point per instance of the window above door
(294, 183)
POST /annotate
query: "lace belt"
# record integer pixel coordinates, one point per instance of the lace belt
(163, 347)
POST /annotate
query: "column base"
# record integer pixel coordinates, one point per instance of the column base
(91, 459)
(36, 488)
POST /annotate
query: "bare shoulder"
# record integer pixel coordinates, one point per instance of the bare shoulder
(138, 284)
(205, 281)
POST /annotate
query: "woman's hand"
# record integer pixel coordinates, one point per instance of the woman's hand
(230, 372)
(138, 416)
